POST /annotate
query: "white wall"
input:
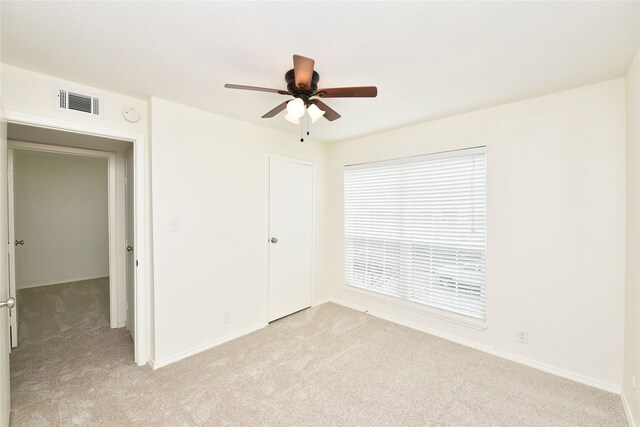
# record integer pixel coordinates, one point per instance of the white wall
(632, 297)
(33, 93)
(61, 206)
(29, 93)
(209, 175)
(555, 227)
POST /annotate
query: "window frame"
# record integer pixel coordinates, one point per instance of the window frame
(397, 301)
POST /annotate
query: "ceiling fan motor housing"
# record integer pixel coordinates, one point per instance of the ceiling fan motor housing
(303, 93)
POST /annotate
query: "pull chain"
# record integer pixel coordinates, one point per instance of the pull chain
(305, 120)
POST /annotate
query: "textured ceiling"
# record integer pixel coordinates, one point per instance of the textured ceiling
(428, 59)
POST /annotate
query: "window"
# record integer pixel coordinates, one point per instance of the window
(415, 229)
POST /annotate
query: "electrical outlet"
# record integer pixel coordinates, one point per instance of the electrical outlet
(523, 336)
(226, 318)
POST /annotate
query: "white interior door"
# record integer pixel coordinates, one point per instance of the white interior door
(131, 259)
(12, 248)
(290, 237)
(4, 281)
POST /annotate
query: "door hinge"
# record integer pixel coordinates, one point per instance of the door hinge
(136, 263)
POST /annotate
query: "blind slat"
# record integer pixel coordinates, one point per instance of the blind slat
(416, 230)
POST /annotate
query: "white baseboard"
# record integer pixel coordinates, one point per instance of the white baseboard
(320, 302)
(196, 350)
(574, 376)
(627, 410)
(60, 281)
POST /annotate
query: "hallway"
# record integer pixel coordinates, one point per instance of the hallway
(65, 350)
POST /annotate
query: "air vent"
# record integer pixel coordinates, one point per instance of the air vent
(63, 99)
(82, 103)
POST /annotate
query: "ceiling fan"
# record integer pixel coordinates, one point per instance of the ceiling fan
(302, 84)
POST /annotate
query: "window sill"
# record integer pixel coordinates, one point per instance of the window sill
(458, 319)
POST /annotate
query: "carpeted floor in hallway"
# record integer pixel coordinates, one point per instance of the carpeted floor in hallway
(324, 366)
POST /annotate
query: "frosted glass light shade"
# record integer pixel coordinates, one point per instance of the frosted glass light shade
(292, 119)
(295, 108)
(314, 112)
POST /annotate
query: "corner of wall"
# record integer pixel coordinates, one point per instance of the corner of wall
(522, 137)
(631, 372)
(628, 412)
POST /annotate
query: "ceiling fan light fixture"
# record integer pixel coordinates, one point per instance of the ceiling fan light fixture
(292, 119)
(295, 108)
(314, 112)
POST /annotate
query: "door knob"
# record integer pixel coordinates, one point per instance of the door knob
(10, 303)
(274, 240)
(19, 242)
(129, 248)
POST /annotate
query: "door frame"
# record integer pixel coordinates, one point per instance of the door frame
(267, 237)
(114, 266)
(125, 263)
(140, 150)
(11, 250)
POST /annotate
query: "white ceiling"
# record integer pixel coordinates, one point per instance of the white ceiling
(428, 59)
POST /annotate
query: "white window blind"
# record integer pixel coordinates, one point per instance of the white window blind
(415, 229)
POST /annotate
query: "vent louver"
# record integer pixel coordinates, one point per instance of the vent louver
(79, 102)
(63, 99)
(73, 101)
(96, 106)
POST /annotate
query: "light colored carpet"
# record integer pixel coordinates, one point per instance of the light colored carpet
(53, 314)
(324, 366)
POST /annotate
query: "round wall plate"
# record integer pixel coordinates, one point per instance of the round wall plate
(130, 114)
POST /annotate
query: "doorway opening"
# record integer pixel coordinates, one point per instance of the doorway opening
(92, 137)
(68, 264)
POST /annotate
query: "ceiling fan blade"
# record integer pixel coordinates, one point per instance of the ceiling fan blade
(348, 92)
(259, 89)
(329, 114)
(303, 69)
(275, 110)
